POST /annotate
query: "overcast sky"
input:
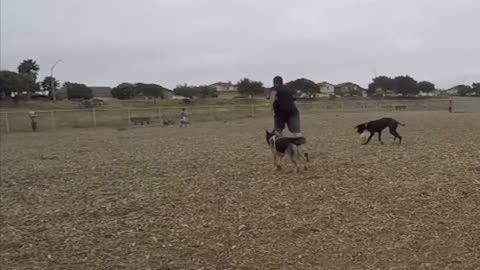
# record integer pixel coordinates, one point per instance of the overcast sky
(106, 42)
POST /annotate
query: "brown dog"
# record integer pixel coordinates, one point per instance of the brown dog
(377, 126)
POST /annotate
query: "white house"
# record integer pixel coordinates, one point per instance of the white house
(224, 87)
(326, 88)
(176, 97)
(423, 94)
(453, 91)
(349, 89)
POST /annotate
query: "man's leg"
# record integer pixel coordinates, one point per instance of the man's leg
(293, 123)
(279, 124)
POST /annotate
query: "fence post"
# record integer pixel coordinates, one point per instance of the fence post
(128, 116)
(7, 125)
(94, 117)
(159, 113)
(252, 110)
(52, 118)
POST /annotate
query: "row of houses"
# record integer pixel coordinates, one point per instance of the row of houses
(347, 89)
(226, 89)
(456, 90)
(326, 89)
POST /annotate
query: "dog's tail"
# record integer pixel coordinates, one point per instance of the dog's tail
(399, 123)
(298, 140)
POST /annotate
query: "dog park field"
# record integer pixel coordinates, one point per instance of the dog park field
(208, 197)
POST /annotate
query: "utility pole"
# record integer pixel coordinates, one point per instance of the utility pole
(52, 81)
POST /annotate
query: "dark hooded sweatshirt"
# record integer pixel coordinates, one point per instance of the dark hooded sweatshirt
(284, 104)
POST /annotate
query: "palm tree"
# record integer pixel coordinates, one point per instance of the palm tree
(48, 82)
(29, 67)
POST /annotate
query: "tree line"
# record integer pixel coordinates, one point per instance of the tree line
(403, 85)
(464, 90)
(406, 85)
(382, 85)
(252, 88)
(24, 80)
(121, 91)
(13, 84)
(16, 84)
(131, 90)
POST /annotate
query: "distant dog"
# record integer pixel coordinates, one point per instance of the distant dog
(292, 147)
(377, 126)
(168, 122)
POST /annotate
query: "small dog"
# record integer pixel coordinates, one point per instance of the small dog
(292, 147)
(377, 126)
(168, 122)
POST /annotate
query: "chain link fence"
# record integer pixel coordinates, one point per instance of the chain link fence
(18, 121)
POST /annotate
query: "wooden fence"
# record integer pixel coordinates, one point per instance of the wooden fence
(18, 121)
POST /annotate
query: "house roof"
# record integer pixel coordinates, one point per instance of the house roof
(455, 87)
(221, 84)
(101, 91)
(345, 83)
(325, 83)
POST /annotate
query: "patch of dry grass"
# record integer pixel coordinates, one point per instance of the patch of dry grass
(205, 197)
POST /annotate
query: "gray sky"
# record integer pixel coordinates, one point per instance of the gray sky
(106, 42)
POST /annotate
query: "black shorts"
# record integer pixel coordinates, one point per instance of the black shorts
(291, 120)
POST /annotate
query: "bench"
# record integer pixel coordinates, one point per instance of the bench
(140, 120)
(400, 107)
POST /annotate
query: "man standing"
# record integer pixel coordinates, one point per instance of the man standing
(284, 108)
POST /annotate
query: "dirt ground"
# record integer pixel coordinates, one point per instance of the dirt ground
(206, 197)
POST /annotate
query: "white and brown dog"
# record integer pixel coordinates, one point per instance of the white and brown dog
(284, 146)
